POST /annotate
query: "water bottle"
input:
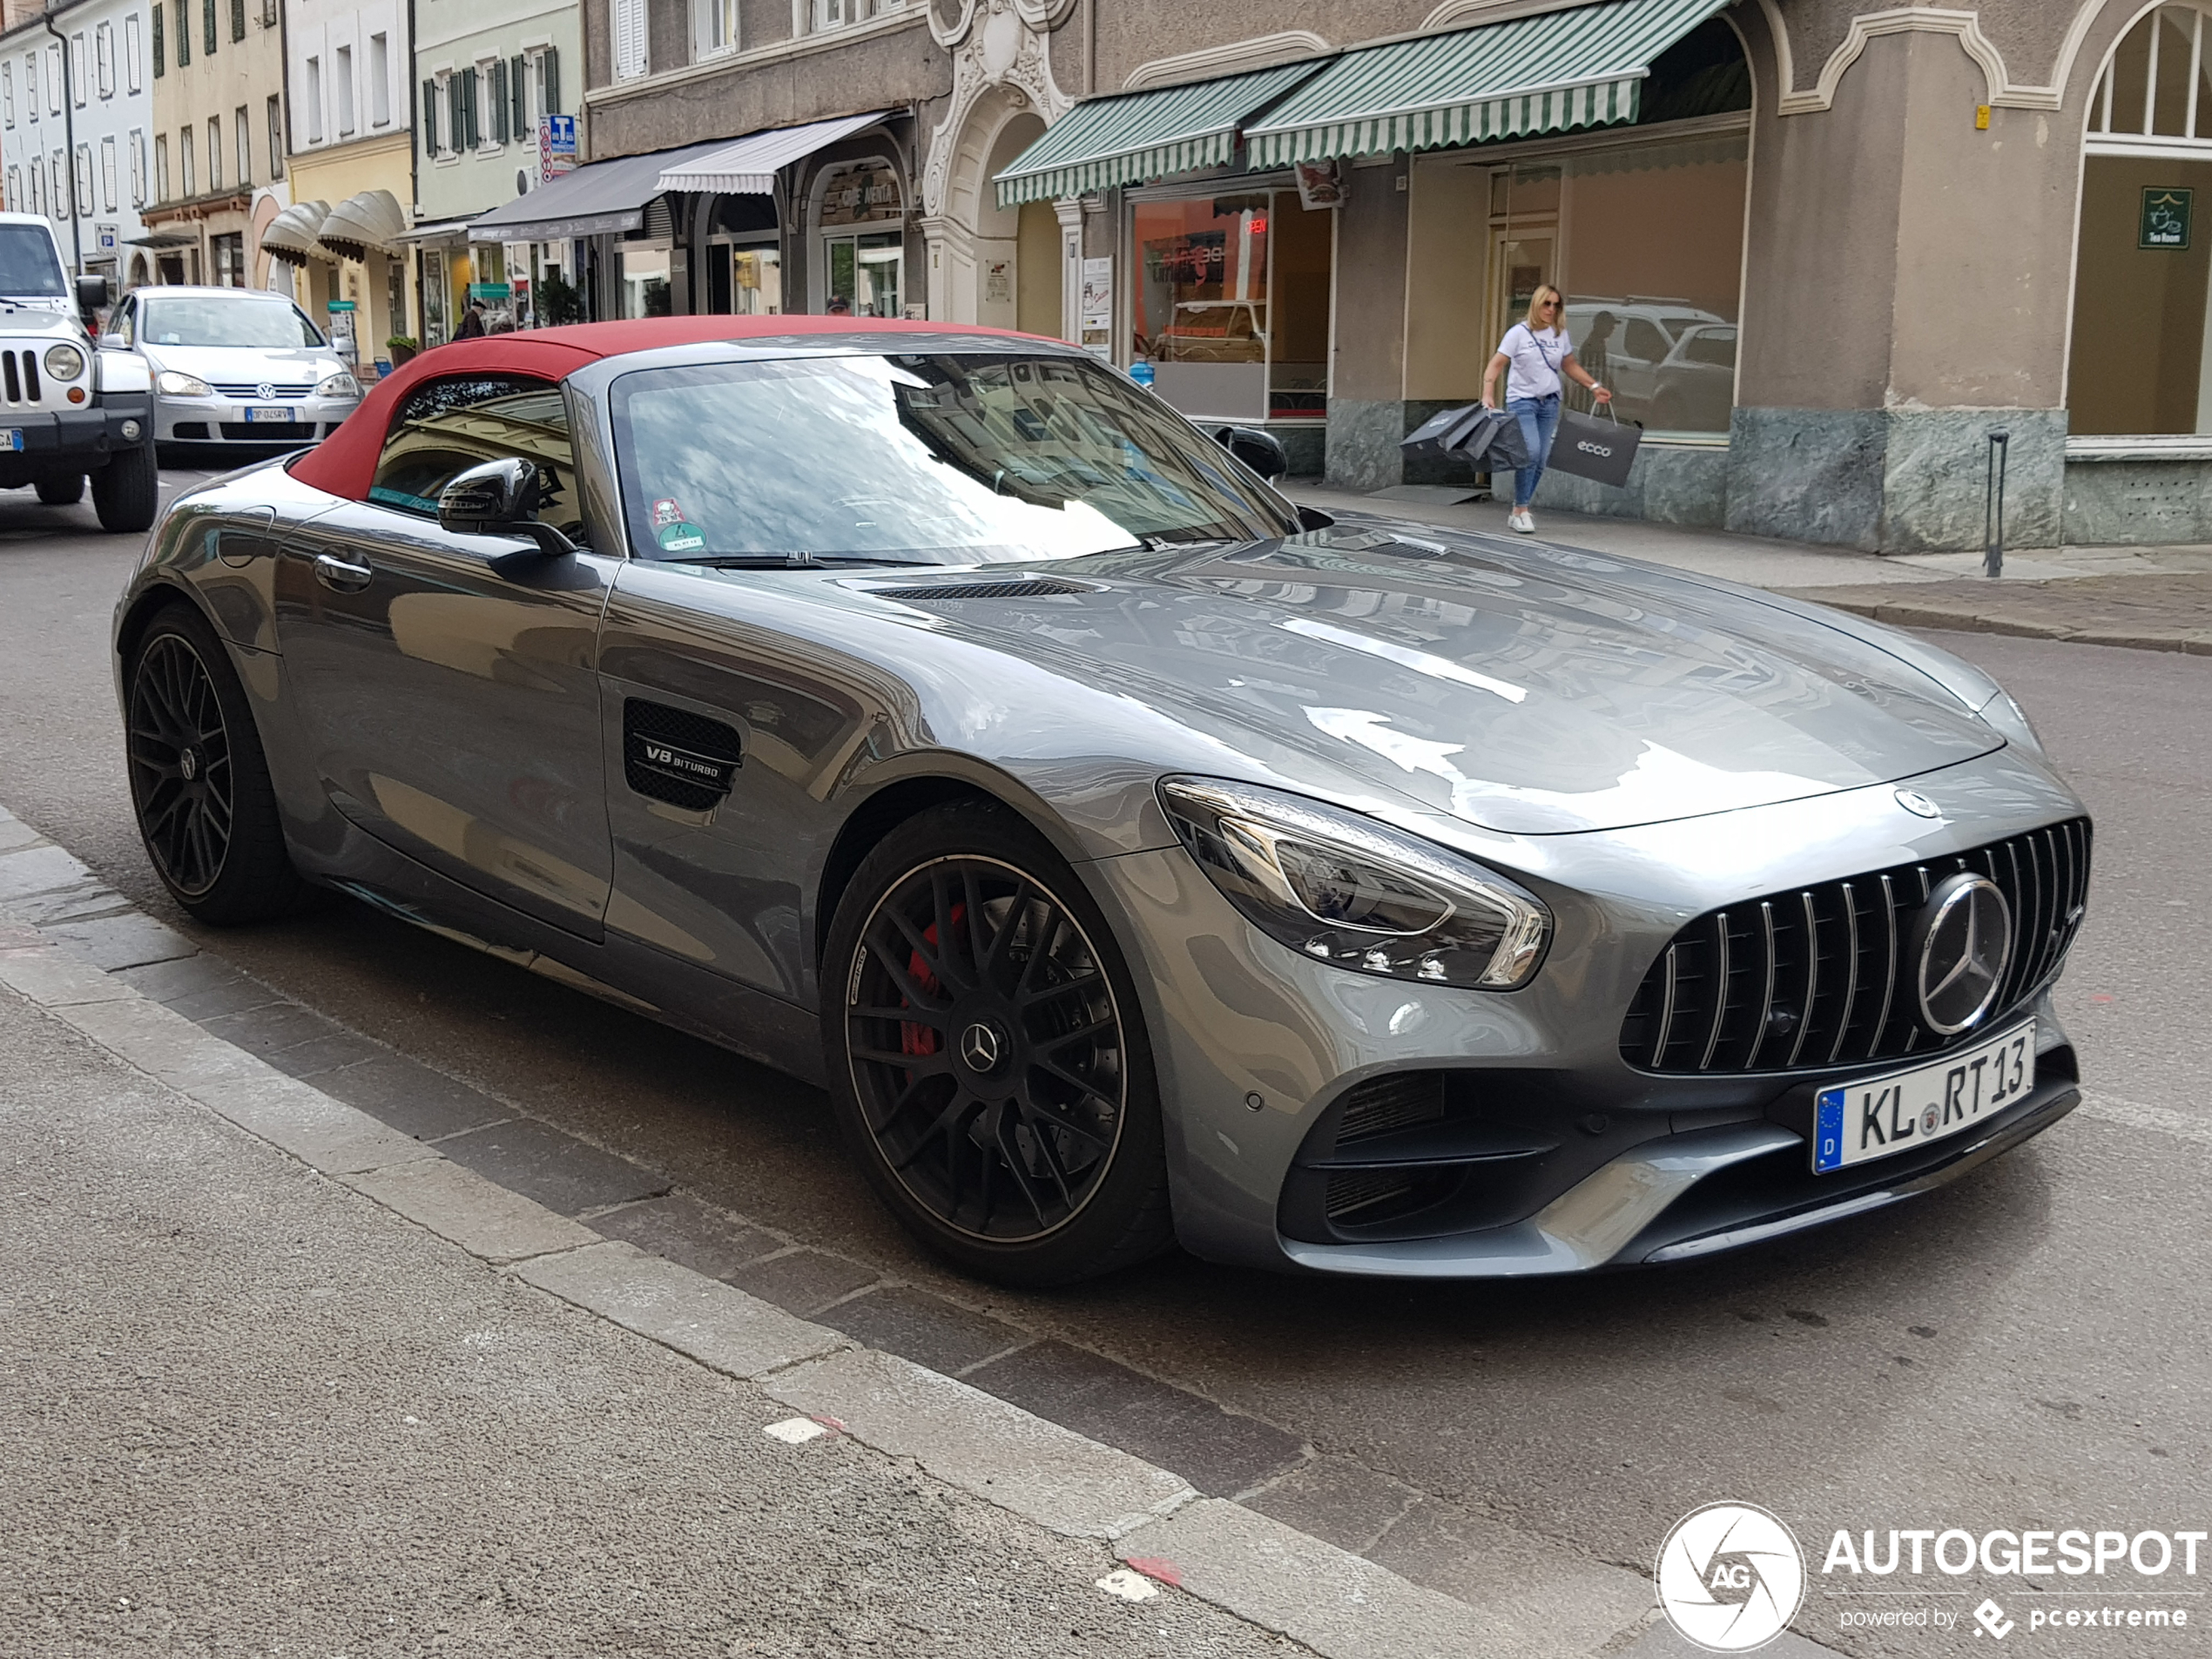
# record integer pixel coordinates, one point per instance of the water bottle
(1140, 372)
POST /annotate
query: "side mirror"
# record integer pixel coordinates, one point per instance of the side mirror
(1312, 518)
(112, 341)
(91, 292)
(1261, 451)
(499, 498)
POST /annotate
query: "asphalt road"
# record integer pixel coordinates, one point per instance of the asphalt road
(2028, 1349)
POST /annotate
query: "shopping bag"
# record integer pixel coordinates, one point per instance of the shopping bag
(1443, 432)
(1589, 447)
(1498, 443)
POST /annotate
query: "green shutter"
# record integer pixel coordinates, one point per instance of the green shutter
(430, 120)
(1549, 73)
(552, 80)
(518, 117)
(208, 25)
(1136, 135)
(160, 67)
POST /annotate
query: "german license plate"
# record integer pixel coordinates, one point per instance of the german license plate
(1877, 1117)
(10, 437)
(284, 416)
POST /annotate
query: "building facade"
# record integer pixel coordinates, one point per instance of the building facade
(487, 75)
(75, 112)
(348, 80)
(216, 159)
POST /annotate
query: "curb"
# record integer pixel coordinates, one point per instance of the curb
(1897, 613)
(62, 956)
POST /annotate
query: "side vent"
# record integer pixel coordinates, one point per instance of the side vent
(931, 592)
(678, 757)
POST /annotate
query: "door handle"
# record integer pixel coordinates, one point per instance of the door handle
(334, 572)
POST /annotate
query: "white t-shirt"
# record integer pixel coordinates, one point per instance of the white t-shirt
(1533, 360)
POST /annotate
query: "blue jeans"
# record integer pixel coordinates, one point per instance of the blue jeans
(1539, 418)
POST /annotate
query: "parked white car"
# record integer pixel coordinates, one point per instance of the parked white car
(233, 366)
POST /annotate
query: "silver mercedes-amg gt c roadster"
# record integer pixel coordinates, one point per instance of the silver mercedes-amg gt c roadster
(1135, 856)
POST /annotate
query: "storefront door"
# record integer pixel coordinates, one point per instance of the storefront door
(863, 271)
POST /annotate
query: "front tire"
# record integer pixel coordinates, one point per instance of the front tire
(200, 783)
(61, 488)
(987, 1058)
(127, 491)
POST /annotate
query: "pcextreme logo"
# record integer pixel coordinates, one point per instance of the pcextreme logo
(1730, 1577)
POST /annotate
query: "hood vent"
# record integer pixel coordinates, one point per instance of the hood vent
(931, 592)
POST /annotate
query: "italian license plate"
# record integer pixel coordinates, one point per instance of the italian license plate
(1877, 1117)
(284, 416)
(10, 437)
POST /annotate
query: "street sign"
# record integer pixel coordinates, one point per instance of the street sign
(103, 237)
(2166, 217)
(556, 146)
(488, 291)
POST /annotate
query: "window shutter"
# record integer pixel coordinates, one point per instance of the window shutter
(518, 69)
(430, 120)
(498, 100)
(552, 73)
(476, 132)
(238, 19)
(207, 26)
(160, 67)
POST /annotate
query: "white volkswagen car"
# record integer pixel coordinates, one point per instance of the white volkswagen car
(233, 366)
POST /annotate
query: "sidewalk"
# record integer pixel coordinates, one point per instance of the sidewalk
(2153, 598)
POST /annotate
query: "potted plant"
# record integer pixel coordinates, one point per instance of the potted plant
(402, 348)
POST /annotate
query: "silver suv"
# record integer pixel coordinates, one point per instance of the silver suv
(68, 412)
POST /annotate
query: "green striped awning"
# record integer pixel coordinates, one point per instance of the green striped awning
(1548, 73)
(1135, 136)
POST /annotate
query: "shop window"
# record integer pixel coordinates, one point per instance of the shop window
(2142, 256)
(228, 253)
(1232, 304)
(1644, 237)
(645, 282)
(863, 267)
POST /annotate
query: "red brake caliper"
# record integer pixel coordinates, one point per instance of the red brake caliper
(915, 1038)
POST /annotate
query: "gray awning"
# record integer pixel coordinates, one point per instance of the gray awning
(596, 198)
(749, 167)
(445, 230)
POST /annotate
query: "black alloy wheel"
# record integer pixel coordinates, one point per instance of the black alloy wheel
(199, 780)
(989, 1056)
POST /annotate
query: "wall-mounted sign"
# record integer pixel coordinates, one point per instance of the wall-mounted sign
(860, 196)
(488, 291)
(556, 146)
(103, 238)
(1098, 294)
(1319, 184)
(340, 305)
(2166, 217)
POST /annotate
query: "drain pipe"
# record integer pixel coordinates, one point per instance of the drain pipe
(68, 138)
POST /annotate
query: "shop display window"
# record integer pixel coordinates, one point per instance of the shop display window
(1232, 304)
(1646, 240)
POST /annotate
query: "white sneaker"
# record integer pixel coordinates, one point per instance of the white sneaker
(1521, 522)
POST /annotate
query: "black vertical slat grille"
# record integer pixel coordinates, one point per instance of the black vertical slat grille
(1814, 978)
(30, 377)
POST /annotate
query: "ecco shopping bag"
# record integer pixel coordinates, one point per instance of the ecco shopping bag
(1589, 447)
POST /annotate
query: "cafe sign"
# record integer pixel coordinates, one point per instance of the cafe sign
(2166, 217)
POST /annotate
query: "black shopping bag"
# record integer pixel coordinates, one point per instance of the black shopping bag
(1443, 432)
(1589, 447)
(1497, 443)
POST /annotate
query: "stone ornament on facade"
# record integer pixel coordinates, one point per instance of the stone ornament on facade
(1002, 47)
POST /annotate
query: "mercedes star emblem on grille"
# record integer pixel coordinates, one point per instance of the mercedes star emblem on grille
(1962, 943)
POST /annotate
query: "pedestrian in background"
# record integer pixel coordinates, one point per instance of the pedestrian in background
(472, 321)
(1533, 355)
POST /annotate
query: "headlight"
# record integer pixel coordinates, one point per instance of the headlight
(1348, 891)
(2012, 723)
(174, 384)
(64, 362)
(339, 384)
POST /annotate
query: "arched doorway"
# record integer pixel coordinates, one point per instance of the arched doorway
(1000, 266)
(2143, 260)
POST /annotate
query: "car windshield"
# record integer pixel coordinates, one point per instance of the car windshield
(936, 458)
(27, 262)
(269, 325)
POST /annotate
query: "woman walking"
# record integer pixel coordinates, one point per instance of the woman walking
(1533, 355)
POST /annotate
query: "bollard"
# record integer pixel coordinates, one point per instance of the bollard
(1992, 502)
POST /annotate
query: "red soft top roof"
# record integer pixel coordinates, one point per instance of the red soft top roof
(346, 460)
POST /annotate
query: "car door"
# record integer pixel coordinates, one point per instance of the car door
(446, 682)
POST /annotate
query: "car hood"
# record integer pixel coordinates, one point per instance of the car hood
(1523, 688)
(281, 365)
(20, 317)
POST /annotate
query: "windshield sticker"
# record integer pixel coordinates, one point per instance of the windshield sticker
(665, 513)
(678, 537)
